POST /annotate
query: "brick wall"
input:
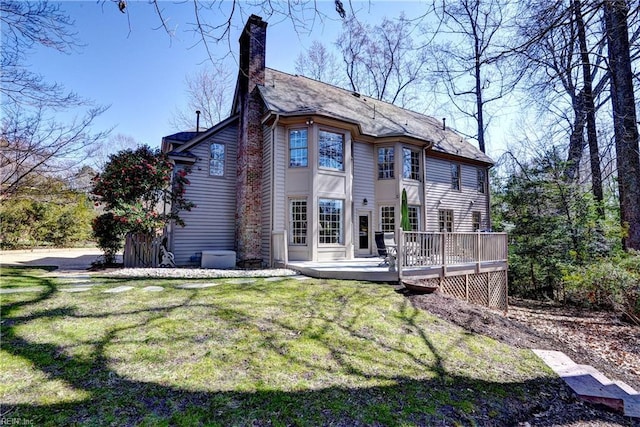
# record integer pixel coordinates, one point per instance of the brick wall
(249, 206)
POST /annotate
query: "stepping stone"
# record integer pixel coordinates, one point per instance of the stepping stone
(197, 285)
(241, 281)
(591, 385)
(21, 290)
(76, 289)
(273, 279)
(153, 289)
(118, 289)
(300, 277)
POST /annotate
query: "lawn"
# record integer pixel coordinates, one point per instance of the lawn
(270, 352)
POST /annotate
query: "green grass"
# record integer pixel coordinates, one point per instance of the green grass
(288, 352)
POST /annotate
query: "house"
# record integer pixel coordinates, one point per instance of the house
(321, 165)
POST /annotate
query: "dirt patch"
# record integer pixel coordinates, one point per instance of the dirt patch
(594, 338)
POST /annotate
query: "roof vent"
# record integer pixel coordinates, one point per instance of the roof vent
(444, 123)
(356, 94)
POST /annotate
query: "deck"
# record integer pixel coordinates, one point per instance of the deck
(470, 266)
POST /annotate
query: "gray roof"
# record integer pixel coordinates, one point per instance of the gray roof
(290, 95)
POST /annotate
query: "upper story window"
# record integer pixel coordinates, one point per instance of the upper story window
(216, 159)
(410, 164)
(331, 150)
(298, 148)
(385, 163)
(455, 177)
(387, 218)
(482, 180)
(445, 220)
(331, 219)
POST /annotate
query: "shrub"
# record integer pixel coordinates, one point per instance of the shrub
(612, 284)
(109, 231)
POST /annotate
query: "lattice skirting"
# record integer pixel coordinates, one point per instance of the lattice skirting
(488, 289)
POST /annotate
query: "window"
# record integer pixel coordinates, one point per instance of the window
(385, 163)
(476, 218)
(410, 164)
(298, 221)
(216, 160)
(331, 150)
(482, 180)
(387, 218)
(298, 148)
(455, 177)
(414, 217)
(445, 220)
(330, 216)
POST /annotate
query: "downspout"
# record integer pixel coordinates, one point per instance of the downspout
(273, 187)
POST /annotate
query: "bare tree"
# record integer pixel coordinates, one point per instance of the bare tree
(382, 61)
(470, 55)
(27, 25)
(208, 91)
(319, 63)
(566, 75)
(34, 146)
(624, 118)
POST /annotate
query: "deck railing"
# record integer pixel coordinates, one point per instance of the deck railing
(427, 249)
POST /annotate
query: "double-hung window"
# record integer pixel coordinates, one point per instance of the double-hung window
(455, 177)
(445, 220)
(482, 180)
(216, 159)
(331, 220)
(387, 218)
(410, 164)
(298, 221)
(330, 150)
(385, 163)
(476, 220)
(414, 218)
(298, 148)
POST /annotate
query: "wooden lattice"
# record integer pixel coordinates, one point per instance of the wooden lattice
(498, 290)
(455, 286)
(487, 289)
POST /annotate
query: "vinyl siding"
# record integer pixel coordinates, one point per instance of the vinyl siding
(440, 195)
(211, 224)
(267, 151)
(364, 186)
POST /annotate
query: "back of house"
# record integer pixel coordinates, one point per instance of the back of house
(313, 170)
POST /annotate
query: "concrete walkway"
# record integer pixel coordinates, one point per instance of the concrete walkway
(591, 385)
(67, 260)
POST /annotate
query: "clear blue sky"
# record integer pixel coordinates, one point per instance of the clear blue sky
(140, 71)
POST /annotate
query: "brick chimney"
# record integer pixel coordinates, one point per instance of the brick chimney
(249, 178)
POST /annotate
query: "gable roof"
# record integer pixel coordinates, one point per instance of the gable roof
(291, 95)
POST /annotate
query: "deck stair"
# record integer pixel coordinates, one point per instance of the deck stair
(591, 385)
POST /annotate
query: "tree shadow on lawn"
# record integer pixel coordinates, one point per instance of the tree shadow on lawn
(440, 399)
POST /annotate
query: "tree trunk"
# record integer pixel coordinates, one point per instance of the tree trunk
(590, 109)
(624, 119)
(576, 139)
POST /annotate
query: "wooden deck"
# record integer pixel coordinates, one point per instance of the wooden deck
(469, 266)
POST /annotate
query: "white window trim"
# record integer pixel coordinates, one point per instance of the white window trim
(224, 161)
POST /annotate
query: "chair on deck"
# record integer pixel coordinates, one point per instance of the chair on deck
(386, 245)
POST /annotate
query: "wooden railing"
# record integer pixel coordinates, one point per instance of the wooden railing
(428, 249)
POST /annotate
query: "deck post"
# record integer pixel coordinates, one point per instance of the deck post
(443, 251)
(478, 252)
(400, 252)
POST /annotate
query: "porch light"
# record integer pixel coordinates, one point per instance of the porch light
(365, 202)
(309, 121)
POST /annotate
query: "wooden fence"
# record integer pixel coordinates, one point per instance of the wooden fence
(142, 250)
